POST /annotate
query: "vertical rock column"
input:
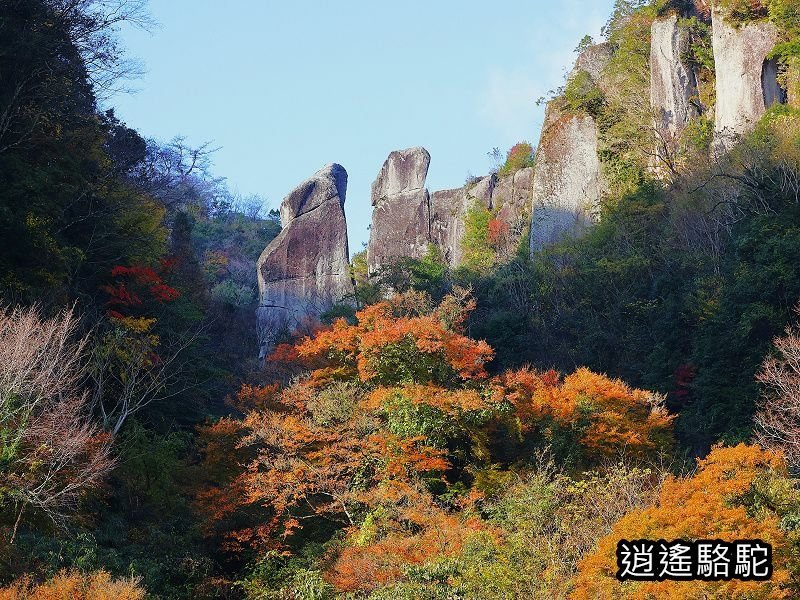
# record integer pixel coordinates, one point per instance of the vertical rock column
(567, 179)
(672, 84)
(401, 213)
(567, 182)
(746, 81)
(306, 268)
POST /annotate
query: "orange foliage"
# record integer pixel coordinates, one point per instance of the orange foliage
(412, 534)
(75, 586)
(361, 350)
(708, 505)
(224, 490)
(619, 417)
(448, 401)
(329, 446)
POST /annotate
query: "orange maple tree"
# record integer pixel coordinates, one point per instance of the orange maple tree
(734, 495)
(380, 437)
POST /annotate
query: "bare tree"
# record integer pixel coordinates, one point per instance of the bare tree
(778, 416)
(93, 26)
(128, 375)
(51, 452)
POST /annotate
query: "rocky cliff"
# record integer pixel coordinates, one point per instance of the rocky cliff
(568, 180)
(401, 209)
(673, 84)
(508, 197)
(407, 218)
(306, 268)
(746, 82)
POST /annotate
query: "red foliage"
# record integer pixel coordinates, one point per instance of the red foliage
(683, 377)
(498, 233)
(134, 286)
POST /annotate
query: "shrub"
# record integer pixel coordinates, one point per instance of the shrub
(75, 586)
(519, 157)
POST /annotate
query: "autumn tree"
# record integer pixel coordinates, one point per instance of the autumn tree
(51, 453)
(778, 417)
(737, 493)
(385, 434)
(75, 586)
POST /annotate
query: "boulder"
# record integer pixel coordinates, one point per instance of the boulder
(401, 214)
(746, 81)
(306, 268)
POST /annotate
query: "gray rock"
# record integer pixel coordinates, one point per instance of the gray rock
(306, 268)
(401, 216)
(567, 182)
(509, 197)
(672, 83)
(593, 60)
(746, 82)
(448, 208)
(403, 171)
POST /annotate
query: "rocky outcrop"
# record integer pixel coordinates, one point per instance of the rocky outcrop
(401, 213)
(672, 83)
(746, 82)
(593, 60)
(306, 268)
(448, 209)
(567, 182)
(509, 198)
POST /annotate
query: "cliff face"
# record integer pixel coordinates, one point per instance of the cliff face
(407, 218)
(568, 182)
(509, 197)
(746, 81)
(401, 213)
(672, 83)
(306, 268)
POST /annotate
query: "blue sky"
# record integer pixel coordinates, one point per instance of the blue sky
(284, 88)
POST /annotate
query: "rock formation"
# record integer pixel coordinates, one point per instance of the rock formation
(593, 60)
(568, 182)
(509, 197)
(672, 83)
(746, 81)
(401, 213)
(306, 268)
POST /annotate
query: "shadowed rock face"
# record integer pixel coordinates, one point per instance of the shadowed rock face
(305, 270)
(672, 84)
(567, 183)
(448, 208)
(401, 215)
(744, 87)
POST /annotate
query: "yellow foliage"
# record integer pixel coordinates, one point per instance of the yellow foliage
(712, 504)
